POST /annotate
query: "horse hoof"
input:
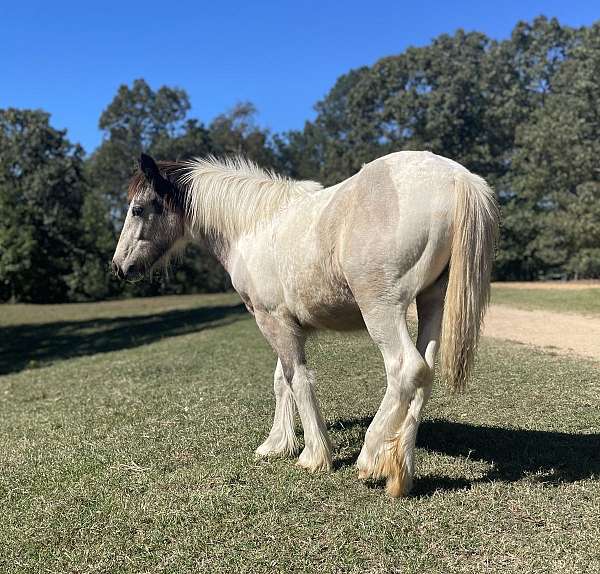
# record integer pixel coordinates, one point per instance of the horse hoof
(314, 463)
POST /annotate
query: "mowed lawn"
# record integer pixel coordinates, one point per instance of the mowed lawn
(583, 301)
(127, 433)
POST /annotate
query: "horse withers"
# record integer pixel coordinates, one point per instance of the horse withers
(410, 225)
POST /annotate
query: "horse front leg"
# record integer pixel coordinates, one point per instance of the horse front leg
(317, 446)
(287, 339)
(282, 439)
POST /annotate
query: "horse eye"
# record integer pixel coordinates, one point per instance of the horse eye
(137, 211)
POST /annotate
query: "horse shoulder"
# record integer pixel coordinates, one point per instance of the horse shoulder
(253, 270)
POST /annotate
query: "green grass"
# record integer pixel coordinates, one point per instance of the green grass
(581, 301)
(129, 448)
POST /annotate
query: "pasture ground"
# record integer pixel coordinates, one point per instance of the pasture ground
(583, 299)
(127, 432)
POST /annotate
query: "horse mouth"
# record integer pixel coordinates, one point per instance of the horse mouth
(136, 279)
(134, 274)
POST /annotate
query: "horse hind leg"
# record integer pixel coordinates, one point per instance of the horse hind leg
(430, 310)
(282, 438)
(388, 451)
(399, 465)
(383, 453)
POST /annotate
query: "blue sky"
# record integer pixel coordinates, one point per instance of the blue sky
(70, 57)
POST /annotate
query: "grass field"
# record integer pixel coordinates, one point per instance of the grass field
(127, 433)
(580, 301)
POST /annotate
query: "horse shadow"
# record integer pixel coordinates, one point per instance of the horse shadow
(511, 454)
(34, 345)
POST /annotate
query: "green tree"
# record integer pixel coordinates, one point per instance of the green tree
(193, 141)
(42, 194)
(433, 98)
(236, 133)
(555, 169)
(326, 149)
(137, 119)
(522, 112)
(91, 278)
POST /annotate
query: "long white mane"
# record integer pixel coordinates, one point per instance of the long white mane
(232, 196)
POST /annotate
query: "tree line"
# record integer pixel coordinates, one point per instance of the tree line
(523, 112)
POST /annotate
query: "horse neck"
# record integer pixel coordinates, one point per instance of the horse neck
(221, 213)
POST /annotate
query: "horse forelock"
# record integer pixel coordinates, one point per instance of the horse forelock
(137, 184)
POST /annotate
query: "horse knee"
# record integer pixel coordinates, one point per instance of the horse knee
(302, 381)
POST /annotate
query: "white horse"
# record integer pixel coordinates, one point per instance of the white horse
(410, 225)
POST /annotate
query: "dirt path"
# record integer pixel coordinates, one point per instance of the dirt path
(560, 332)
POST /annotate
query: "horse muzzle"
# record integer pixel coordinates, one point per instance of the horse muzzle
(127, 273)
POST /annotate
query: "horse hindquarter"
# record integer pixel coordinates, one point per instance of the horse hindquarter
(396, 246)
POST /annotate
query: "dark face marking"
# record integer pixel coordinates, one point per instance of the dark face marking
(158, 206)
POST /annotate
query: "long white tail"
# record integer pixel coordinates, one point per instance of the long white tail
(475, 229)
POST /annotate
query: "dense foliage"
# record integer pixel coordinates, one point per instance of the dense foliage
(45, 234)
(523, 112)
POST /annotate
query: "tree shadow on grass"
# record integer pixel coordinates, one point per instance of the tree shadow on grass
(512, 454)
(29, 346)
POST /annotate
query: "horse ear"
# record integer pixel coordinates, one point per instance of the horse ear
(153, 175)
(149, 168)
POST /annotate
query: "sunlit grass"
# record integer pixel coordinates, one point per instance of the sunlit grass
(129, 448)
(581, 301)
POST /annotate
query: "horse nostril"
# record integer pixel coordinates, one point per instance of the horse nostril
(117, 270)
